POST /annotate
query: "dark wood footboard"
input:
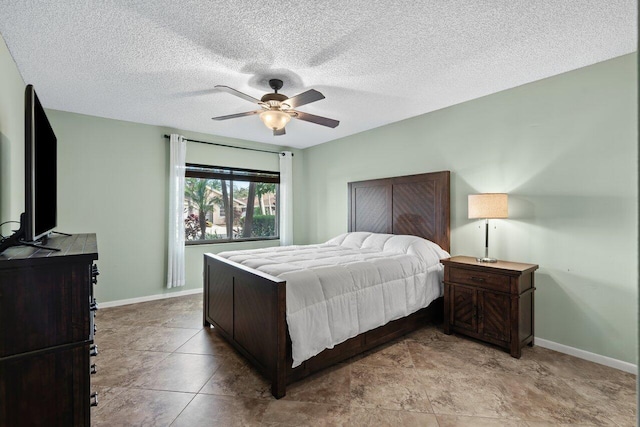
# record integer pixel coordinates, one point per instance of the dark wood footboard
(248, 308)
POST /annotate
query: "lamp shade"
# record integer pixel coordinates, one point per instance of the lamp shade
(275, 119)
(488, 205)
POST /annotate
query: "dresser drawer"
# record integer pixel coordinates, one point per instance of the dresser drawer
(481, 279)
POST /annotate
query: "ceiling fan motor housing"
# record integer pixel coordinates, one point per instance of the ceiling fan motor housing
(274, 97)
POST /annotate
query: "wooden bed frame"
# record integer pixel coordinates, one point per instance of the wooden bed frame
(248, 307)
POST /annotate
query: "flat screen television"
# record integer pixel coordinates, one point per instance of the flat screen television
(40, 170)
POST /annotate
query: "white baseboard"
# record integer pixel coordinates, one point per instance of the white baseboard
(586, 355)
(149, 298)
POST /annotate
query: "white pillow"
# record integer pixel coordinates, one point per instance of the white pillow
(424, 249)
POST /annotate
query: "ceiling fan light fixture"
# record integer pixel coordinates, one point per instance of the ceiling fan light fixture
(275, 119)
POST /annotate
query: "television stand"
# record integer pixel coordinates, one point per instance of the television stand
(61, 233)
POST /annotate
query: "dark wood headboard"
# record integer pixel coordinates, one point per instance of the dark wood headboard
(415, 204)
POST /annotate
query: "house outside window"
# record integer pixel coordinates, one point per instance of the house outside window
(227, 204)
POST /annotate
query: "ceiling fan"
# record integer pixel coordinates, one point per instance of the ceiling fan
(278, 109)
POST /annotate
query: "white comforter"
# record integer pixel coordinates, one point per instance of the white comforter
(351, 284)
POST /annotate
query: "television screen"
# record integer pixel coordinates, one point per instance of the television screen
(40, 170)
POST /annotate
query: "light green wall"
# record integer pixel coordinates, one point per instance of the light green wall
(565, 149)
(113, 180)
(11, 140)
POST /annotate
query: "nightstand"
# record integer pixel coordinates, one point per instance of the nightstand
(492, 302)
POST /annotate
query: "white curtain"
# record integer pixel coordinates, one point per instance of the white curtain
(286, 198)
(175, 271)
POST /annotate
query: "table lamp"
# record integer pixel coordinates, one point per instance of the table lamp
(488, 206)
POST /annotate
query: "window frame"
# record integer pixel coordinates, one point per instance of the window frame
(235, 174)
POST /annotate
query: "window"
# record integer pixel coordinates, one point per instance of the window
(225, 204)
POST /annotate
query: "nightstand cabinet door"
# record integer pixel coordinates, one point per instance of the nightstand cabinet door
(463, 307)
(493, 315)
(490, 302)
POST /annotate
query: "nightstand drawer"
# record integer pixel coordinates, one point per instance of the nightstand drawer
(481, 279)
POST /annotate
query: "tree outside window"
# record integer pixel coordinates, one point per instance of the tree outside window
(224, 204)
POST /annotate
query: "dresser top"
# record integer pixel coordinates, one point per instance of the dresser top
(71, 247)
(467, 261)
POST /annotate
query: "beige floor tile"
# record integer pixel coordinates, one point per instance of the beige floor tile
(208, 410)
(367, 417)
(463, 381)
(565, 366)
(152, 338)
(552, 424)
(395, 354)
(330, 386)
(178, 372)
(614, 400)
(465, 393)
(550, 399)
(189, 320)
(464, 421)
(388, 388)
(105, 395)
(207, 341)
(290, 413)
(141, 407)
(235, 377)
(119, 368)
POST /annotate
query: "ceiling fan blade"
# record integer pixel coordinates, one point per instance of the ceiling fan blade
(233, 116)
(324, 121)
(304, 98)
(279, 132)
(239, 94)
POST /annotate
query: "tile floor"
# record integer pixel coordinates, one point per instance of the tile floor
(157, 365)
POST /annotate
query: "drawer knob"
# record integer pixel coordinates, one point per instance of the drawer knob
(478, 279)
(94, 398)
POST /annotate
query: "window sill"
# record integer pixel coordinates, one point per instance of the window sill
(217, 241)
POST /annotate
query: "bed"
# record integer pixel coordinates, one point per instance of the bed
(248, 307)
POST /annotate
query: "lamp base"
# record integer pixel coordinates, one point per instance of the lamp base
(485, 259)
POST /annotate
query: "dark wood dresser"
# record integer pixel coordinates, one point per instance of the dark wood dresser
(492, 302)
(46, 332)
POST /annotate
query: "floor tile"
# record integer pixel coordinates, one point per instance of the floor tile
(330, 386)
(178, 372)
(426, 378)
(367, 417)
(464, 421)
(290, 413)
(206, 341)
(152, 338)
(119, 368)
(550, 399)
(615, 401)
(235, 377)
(565, 366)
(395, 354)
(141, 407)
(208, 410)
(465, 393)
(388, 388)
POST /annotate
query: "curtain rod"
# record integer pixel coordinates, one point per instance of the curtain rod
(229, 146)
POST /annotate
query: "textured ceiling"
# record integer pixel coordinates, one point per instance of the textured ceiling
(376, 61)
